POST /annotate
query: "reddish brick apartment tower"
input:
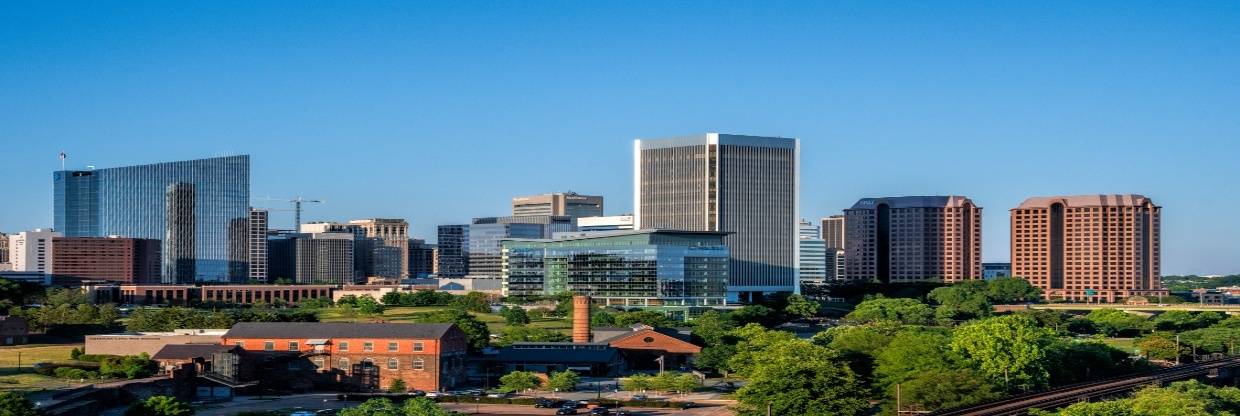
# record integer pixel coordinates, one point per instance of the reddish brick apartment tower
(357, 356)
(913, 238)
(116, 259)
(1088, 247)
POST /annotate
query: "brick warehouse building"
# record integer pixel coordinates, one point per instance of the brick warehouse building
(1088, 247)
(350, 356)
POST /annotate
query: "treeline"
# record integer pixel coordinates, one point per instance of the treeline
(1184, 398)
(167, 319)
(1188, 283)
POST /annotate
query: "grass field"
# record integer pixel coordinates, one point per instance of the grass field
(1124, 344)
(406, 313)
(27, 380)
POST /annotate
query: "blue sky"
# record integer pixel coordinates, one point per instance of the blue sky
(441, 112)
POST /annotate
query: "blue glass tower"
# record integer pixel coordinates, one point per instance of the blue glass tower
(198, 208)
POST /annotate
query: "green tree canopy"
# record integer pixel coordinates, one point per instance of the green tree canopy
(160, 406)
(522, 333)
(374, 407)
(476, 332)
(801, 306)
(515, 316)
(1114, 322)
(518, 381)
(796, 377)
(903, 310)
(1009, 348)
(563, 381)
(13, 404)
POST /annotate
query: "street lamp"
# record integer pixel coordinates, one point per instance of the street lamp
(477, 405)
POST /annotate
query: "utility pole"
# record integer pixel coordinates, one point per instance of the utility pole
(1177, 349)
(768, 408)
(897, 399)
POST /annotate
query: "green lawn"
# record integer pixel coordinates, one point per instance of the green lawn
(27, 380)
(1123, 344)
(31, 382)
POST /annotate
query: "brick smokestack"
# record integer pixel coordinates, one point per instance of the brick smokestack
(581, 319)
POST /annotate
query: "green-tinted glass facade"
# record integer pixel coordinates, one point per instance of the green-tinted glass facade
(633, 268)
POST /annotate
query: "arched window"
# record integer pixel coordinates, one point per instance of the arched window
(344, 365)
(393, 364)
(419, 364)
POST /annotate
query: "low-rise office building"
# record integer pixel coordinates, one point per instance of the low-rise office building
(149, 342)
(646, 268)
(364, 356)
(251, 294)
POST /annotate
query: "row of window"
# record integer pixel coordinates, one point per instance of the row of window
(342, 346)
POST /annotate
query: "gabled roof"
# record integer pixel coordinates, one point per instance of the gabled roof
(651, 339)
(189, 351)
(329, 330)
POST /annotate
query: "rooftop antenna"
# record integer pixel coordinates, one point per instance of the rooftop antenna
(63, 156)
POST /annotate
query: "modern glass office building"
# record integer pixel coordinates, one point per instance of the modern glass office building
(199, 209)
(645, 268)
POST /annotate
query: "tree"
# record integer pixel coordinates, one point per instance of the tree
(1114, 322)
(637, 382)
(941, 389)
(602, 318)
(1184, 320)
(1010, 349)
(903, 310)
(911, 353)
(374, 407)
(515, 316)
(1072, 361)
(397, 386)
(476, 332)
(421, 406)
(674, 381)
(522, 333)
(393, 298)
(473, 302)
(651, 318)
(800, 306)
(796, 377)
(1003, 290)
(367, 305)
(1158, 347)
(563, 381)
(1212, 340)
(13, 404)
(961, 302)
(518, 381)
(160, 406)
(756, 314)
(347, 301)
(752, 348)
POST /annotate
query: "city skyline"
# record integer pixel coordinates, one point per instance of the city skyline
(389, 114)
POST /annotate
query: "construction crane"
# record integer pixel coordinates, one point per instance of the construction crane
(296, 201)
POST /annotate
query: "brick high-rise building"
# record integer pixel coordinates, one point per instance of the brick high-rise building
(116, 259)
(1088, 247)
(913, 238)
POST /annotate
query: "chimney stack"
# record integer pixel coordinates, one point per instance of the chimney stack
(581, 319)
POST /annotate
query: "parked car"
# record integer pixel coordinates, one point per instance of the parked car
(434, 394)
(566, 411)
(640, 397)
(624, 413)
(545, 403)
(417, 393)
(600, 411)
(497, 395)
(688, 405)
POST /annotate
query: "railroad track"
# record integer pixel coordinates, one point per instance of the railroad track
(1067, 395)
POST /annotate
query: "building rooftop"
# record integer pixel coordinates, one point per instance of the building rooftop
(189, 351)
(720, 139)
(329, 330)
(1100, 200)
(895, 202)
(619, 233)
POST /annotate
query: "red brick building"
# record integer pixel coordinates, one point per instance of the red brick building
(913, 238)
(250, 294)
(115, 259)
(360, 356)
(1088, 247)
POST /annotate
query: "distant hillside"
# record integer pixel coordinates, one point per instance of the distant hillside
(1187, 283)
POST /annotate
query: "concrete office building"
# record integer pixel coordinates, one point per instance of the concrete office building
(813, 254)
(643, 268)
(836, 264)
(113, 259)
(390, 251)
(993, 270)
(453, 251)
(609, 223)
(31, 251)
(421, 258)
(550, 224)
(568, 204)
(744, 185)
(306, 258)
(1089, 247)
(913, 238)
(258, 244)
(198, 208)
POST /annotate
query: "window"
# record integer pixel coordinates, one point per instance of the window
(343, 365)
(319, 363)
(417, 347)
(241, 344)
(294, 365)
(292, 346)
(368, 346)
(393, 364)
(344, 346)
(269, 345)
(419, 364)
(393, 347)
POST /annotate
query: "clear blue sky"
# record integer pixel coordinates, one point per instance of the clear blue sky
(441, 112)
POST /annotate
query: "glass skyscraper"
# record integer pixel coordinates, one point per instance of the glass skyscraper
(199, 209)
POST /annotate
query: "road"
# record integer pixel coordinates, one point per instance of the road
(328, 401)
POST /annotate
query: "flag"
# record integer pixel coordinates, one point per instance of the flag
(63, 156)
